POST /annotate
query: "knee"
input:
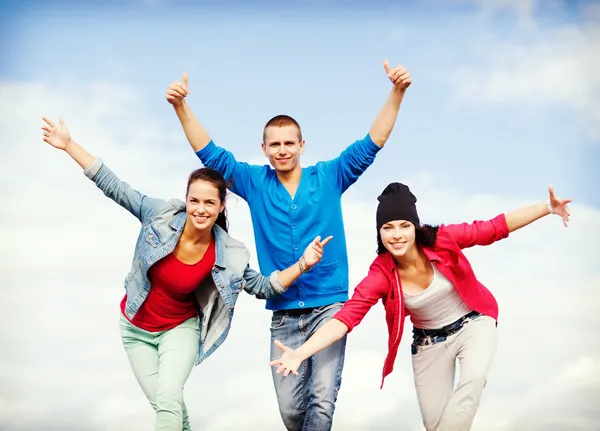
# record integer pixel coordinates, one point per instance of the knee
(169, 395)
(292, 416)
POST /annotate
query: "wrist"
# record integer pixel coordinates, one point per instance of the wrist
(549, 206)
(69, 145)
(303, 266)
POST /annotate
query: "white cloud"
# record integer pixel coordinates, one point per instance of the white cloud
(70, 248)
(557, 66)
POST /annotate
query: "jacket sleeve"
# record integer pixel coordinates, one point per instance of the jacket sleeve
(137, 203)
(224, 162)
(478, 232)
(261, 286)
(366, 294)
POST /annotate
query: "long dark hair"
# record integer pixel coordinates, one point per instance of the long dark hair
(217, 180)
(425, 236)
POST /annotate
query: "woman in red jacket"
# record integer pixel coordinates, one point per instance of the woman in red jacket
(421, 272)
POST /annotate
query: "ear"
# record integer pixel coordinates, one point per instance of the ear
(302, 146)
(264, 148)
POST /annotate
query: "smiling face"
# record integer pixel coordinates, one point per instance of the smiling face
(398, 237)
(283, 146)
(203, 204)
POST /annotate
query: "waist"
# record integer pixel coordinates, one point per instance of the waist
(445, 331)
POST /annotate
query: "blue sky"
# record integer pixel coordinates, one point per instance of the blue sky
(321, 63)
(504, 101)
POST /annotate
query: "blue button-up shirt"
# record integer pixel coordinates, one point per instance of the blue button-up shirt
(283, 227)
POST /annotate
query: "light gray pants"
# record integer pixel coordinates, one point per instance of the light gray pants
(162, 362)
(444, 407)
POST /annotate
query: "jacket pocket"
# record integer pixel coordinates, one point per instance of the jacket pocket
(327, 267)
(151, 236)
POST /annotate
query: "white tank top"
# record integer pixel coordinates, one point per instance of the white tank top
(436, 306)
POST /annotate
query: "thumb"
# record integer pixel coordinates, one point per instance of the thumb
(551, 190)
(185, 78)
(62, 123)
(386, 66)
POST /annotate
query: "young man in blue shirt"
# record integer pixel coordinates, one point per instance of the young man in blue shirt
(291, 205)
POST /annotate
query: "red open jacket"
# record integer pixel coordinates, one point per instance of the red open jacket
(383, 281)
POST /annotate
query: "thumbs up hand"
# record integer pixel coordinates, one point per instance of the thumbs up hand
(399, 75)
(177, 91)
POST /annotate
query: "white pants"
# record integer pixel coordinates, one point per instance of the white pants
(444, 407)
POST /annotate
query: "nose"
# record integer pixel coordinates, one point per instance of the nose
(397, 234)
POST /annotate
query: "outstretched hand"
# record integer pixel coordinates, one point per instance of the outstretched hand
(178, 90)
(289, 362)
(559, 207)
(399, 76)
(314, 251)
(57, 136)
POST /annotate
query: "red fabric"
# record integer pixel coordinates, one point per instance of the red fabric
(170, 301)
(382, 281)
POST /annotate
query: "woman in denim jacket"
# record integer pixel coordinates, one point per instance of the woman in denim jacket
(422, 272)
(185, 278)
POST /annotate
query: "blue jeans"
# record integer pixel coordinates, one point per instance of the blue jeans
(307, 401)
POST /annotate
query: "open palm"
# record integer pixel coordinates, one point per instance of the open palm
(57, 136)
(559, 206)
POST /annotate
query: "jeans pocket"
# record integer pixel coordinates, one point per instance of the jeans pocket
(278, 320)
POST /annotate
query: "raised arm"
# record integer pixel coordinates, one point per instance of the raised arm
(368, 292)
(133, 201)
(385, 121)
(489, 231)
(211, 156)
(195, 133)
(264, 287)
(524, 216)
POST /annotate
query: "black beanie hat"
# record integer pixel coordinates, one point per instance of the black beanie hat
(396, 202)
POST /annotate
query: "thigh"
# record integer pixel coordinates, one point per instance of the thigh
(434, 370)
(476, 348)
(143, 357)
(289, 390)
(177, 353)
(326, 365)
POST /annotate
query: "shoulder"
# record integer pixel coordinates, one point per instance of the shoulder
(236, 254)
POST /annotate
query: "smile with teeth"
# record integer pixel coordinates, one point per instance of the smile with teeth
(398, 244)
(200, 219)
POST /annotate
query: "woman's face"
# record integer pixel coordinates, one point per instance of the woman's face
(398, 237)
(203, 204)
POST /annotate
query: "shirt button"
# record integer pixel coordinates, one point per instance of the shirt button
(293, 225)
(294, 206)
(301, 304)
(295, 247)
(216, 269)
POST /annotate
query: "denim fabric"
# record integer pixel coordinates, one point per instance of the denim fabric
(307, 401)
(162, 223)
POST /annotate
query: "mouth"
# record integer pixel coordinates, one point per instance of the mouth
(283, 160)
(397, 245)
(200, 219)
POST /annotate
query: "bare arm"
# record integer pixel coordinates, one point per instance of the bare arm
(385, 121)
(195, 133)
(522, 217)
(328, 334)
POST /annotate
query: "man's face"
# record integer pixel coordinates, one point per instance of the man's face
(283, 146)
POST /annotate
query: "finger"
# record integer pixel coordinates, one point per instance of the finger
(287, 372)
(295, 372)
(61, 122)
(402, 77)
(185, 79)
(46, 128)
(48, 121)
(551, 191)
(180, 89)
(281, 346)
(280, 369)
(386, 66)
(275, 362)
(398, 72)
(326, 240)
(173, 94)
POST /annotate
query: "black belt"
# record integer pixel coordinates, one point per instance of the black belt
(447, 330)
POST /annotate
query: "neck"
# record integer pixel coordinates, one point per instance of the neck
(290, 177)
(414, 258)
(196, 236)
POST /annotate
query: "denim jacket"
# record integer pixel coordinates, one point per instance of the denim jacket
(162, 225)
